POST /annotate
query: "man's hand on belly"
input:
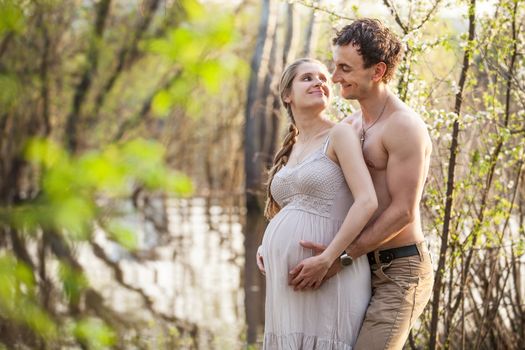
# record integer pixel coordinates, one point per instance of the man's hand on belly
(298, 273)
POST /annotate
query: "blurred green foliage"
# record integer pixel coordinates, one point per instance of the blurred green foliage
(197, 49)
(188, 62)
(18, 297)
(12, 19)
(93, 333)
(71, 187)
(76, 192)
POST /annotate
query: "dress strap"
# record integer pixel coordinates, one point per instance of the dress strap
(327, 141)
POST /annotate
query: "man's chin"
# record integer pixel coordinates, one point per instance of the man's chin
(348, 96)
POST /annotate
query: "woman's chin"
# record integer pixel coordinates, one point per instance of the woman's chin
(313, 105)
(321, 103)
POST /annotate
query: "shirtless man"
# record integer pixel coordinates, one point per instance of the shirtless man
(397, 148)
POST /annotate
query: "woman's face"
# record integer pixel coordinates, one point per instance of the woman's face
(310, 87)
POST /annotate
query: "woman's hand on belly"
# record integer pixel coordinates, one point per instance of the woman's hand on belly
(317, 248)
(309, 273)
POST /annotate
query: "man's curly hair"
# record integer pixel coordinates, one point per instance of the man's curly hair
(374, 42)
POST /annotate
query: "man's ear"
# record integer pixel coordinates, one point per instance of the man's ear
(379, 72)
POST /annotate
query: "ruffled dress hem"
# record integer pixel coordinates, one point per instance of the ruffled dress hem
(301, 341)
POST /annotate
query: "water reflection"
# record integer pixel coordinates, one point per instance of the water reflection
(191, 270)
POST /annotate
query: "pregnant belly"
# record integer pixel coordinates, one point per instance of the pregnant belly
(281, 247)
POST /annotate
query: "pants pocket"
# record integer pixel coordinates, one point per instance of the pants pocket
(398, 273)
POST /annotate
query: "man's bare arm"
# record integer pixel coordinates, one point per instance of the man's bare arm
(408, 147)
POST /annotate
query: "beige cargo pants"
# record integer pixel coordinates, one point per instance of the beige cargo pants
(400, 291)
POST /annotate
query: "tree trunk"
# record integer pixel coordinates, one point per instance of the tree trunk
(253, 165)
(81, 91)
(126, 54)
(450, 181)
(290, 39)
(309, 40)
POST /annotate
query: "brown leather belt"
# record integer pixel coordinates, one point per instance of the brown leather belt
(387, 255)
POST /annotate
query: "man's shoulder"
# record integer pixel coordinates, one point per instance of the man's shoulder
(405, 126)
(406, 119)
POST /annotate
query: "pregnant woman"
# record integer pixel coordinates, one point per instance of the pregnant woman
(319, 190)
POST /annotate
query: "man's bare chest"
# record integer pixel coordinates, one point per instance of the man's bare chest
(374, 153)
(375, 159)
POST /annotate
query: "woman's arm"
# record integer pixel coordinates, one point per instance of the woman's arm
(345, 144)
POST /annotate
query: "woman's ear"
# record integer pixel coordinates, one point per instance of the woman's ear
(379, 72)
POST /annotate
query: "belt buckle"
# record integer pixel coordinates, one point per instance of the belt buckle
(387, 257)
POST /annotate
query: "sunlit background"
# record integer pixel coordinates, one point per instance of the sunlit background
(135, 141)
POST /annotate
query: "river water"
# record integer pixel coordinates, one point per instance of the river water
(191, 272)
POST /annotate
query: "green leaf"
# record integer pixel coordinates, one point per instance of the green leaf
(45, 152)
(193, 9)
(60, 181)
(162, 103)
(160, 46)
(187, 45)
(74, 282)
(11, 18)
(39, 321)
(180, 90)
(24, 275)
(18, 299)
(180, 185)
(102, 171)
(142, 151)
(211, 73)
(94, 333)
(123, 235)
(74, 214)
(222, 31)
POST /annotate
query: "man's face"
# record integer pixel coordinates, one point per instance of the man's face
(356, 81)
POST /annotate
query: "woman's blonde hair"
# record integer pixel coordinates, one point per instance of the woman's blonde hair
(281, 158)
